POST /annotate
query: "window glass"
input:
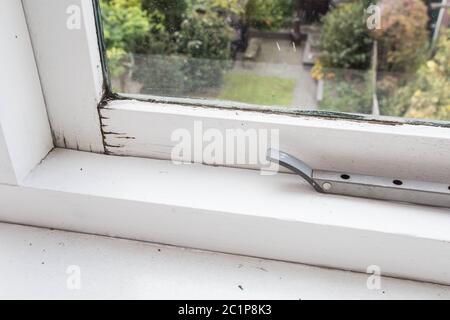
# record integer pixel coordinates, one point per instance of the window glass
(382, 57)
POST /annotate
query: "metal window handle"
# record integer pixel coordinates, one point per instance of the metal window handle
(417, 192)
(295, 165)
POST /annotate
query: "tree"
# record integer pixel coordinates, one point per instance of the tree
(345, 40)
(200, 54)
(428, 96)
(158, 40)
(269, 15)
(228, 6)
(125, 25)
(173, 11)
(205, 39)
(348, 93)
(403, 38)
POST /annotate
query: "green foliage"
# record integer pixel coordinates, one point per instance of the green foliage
(388, 85)
(173, 11)
(345, 40)
(403, 38)
(225, 6)
(428, 96)
(154, 37)
(348, 91)
(199, 57)
(233, 6)
(116, 61)
(161, 74)
(125, 25)
(269, 15)
(205, 39)
(204, 35)
(157, 40)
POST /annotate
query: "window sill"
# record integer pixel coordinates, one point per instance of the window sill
(40, 258)
(230, 210)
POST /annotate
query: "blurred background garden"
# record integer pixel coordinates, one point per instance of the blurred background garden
(296, 54)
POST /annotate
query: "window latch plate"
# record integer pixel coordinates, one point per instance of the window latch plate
(372, 187)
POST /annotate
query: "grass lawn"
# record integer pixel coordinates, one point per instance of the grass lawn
(258, 89)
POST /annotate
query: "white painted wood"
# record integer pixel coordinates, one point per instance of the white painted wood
(25, 136)
(230, 210)
(197, 206)
(7, 175)
(33, 259)
(70, 69)
(404, 151)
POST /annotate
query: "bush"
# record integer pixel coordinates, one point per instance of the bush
(204, 35)
(348, 91)
(428, 96)
(269, 15)
(388, 85)
(220, 6)
(199, 60)
(345, 40)
(205, 40)
(117, 61)
(157, 40)
(173, 11)
(125, 25)
(403, 38)
(161, 74)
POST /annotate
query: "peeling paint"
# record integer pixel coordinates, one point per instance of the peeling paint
(109, 96)
(114, 146)
(113, 133)
(328, 115)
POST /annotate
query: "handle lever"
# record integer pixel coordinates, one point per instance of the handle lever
(292, 163)
(356, 185)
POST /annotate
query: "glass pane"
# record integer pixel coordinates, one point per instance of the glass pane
(383, 57)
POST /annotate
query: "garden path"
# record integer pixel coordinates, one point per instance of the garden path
(281, 58)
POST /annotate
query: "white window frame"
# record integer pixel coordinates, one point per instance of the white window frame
(70, 70)
(154, 200)
(402, 149)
